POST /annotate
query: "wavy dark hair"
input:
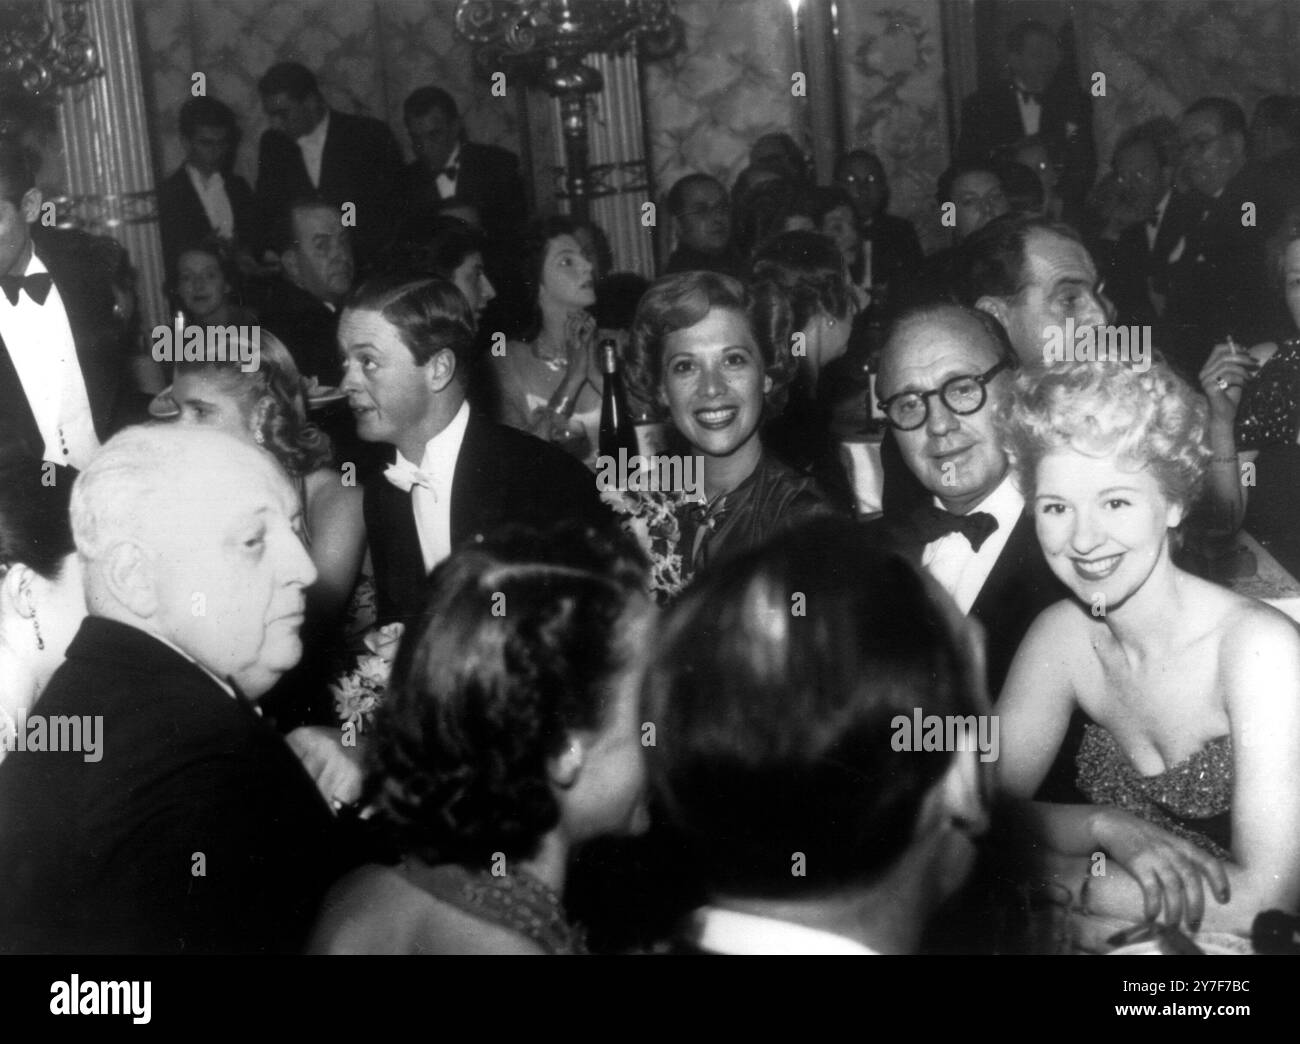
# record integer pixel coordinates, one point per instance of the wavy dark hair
(809, 268)
(35, 529)
(676, 302)
(429, 315)
(513, 651)
(532, 260)
(298, 444)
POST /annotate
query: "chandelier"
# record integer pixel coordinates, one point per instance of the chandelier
(36, 61)
(544, 41)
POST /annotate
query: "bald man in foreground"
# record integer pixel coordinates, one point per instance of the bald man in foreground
(195, 830)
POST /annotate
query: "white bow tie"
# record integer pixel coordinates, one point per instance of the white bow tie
(404, 476)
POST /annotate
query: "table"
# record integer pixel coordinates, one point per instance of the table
(1270, 582)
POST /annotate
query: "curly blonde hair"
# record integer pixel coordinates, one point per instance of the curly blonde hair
(1149, 419)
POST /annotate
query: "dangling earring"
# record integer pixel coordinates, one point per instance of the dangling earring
(258, 437)
(36, 625)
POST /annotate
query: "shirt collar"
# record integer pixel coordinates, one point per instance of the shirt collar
(1005, 503)
(743, 934)
(202, 180)
(316, 136)
(454, 158)
(226, 686)
(441, 451)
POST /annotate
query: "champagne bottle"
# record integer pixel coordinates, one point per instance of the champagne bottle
(616, 427)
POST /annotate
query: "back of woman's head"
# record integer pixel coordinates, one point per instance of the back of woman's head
(774, 687)
(809, 269)
(35, 530)
(520, 634)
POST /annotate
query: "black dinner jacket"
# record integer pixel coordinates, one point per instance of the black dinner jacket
(487, 176)
(502, 476)
(76, 262)
(1019, 587)
(197, 831)
(183, 221)
(360, 164)
(990, 121)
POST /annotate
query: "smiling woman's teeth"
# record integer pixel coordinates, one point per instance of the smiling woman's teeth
(715, 416)
(1098, 569)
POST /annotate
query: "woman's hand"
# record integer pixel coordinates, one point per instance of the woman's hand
(1171, 872)
(335, 769)
(580, 348)
(1223, 378)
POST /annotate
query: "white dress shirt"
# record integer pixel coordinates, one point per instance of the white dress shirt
(216, 202)
(743, 934)
(433, 506)
(1031, 112)
(39, 341)
(962, 571)
(446, 185)
(312, 145)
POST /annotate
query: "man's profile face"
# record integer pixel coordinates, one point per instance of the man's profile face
(1211, 156)
(15, 233)
(1035, 65)
(207, 149)
(320, 258)
(1061, 283)
(231, 571)
(294, 118)
(433, 137)
(959, 459)
(705, 221)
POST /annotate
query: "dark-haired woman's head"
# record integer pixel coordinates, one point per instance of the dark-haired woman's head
(555, 273)
(264, 404)
(513, 710)
(781, 678)
(41, 599)
(204, 280)
(709, 351)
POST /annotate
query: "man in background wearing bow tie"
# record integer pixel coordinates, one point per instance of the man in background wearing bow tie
(406, 348)
(1033, 100)
(448, 165)
(944, 373)
(64, 370)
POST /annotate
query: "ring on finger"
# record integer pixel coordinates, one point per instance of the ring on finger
(1223, 385)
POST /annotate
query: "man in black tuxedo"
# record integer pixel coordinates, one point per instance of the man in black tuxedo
(447, 165)
(203, 198)
(190, 827)
(944, 372)
(405, 347)
(65, 383)
(1218, 279)
(702, 222)
(1035, 100)
(313, 149)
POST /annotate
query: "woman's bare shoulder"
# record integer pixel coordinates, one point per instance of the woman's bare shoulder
(375, 909)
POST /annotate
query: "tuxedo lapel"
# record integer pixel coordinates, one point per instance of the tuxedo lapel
(394, 550)
(17, 422)
(474, 497)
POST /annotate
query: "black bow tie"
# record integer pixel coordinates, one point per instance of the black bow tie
(1030, 96)
(931, 523)
(449, 172)
(37, 286)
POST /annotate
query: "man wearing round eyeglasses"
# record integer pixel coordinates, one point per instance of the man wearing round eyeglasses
(702, 220)
(944, 372)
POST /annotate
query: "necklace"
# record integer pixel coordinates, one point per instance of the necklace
(555, 363)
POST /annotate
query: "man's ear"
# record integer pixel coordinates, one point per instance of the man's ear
(956, 799)
(30, 204)
(565, 768)
(442, 369)
(128, 574)
(292, 265)
(995, 307)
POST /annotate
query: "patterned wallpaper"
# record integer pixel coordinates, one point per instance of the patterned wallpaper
(729, 85)
(368, 55)
(892, 82)
(1160, 57)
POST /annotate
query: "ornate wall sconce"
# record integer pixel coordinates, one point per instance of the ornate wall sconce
(544, 41)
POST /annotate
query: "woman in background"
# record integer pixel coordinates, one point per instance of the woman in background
(205, 282)
(508, 740)
(548, 381)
